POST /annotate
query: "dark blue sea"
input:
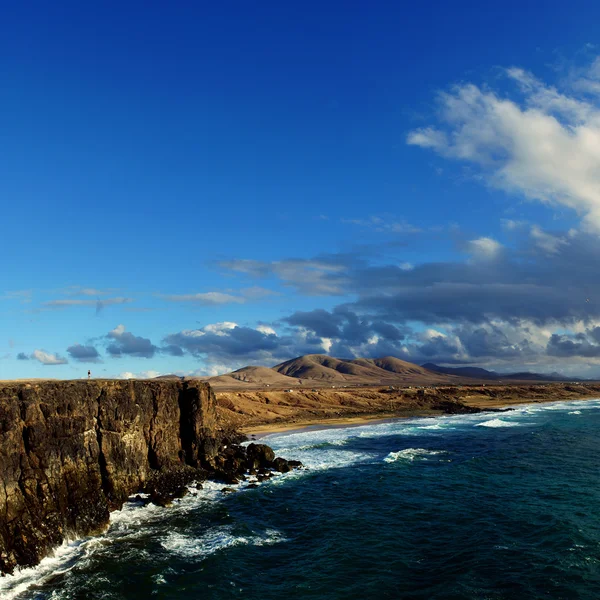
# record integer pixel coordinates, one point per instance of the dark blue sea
(489, 506)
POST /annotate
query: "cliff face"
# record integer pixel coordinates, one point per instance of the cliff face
(71, 451)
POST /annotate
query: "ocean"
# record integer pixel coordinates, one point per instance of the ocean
(487, 506)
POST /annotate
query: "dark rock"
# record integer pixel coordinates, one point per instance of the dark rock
(71, 451)
(225, 477)
(261, 453)
(281, 465)
(227, 490)
(252, 485)
(453, 407)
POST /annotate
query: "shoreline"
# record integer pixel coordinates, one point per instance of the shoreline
(260, 432)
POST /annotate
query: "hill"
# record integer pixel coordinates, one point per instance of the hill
(319, 370)
(322, 367)
(258, 376)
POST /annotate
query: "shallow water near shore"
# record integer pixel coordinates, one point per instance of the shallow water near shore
(475, 506)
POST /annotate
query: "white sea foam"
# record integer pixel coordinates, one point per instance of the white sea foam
(437, 426)
(60, 561)
(574, 412)
(215, 540)
(411, 454)
(498, 423)
(131, 522)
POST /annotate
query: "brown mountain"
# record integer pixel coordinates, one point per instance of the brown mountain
(321, 370)
(253, 377)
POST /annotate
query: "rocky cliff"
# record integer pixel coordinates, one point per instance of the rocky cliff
(71, 451)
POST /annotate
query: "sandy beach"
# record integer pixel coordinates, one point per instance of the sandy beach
(258, 418)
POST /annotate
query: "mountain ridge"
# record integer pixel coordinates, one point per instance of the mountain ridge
(480, 373)
(320, 370)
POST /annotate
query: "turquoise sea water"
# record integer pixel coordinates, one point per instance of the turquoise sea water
(497, 505)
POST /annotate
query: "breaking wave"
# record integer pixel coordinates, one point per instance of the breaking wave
(411, 454)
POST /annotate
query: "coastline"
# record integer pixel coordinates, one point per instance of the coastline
(260, 432)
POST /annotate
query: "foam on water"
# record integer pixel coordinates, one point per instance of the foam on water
(61, 560)
(132, 521)
(410, 454)
(215, 540)
(317, 449)
(498, 423)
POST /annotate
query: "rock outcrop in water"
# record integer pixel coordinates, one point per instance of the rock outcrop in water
(72, 451)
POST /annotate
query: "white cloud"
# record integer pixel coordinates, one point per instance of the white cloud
(484, 248)
(429, 334)
(266, 330)
(47, 358)
(219, 328)
(150, 374)
(141, 375)
(217, 298)
(118, 330)
(546, 241)
(327, 343)
(546, 147)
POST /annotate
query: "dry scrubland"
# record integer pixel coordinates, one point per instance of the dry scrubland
(257, 411)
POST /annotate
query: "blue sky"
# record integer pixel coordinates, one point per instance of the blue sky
(193, 188)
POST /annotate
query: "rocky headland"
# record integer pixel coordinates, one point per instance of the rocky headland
(72, 451)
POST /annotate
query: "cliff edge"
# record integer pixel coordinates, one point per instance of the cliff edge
(71, 451)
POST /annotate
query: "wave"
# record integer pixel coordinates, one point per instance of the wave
(574, 412)
(215, 540)
(60, 561)
(132, 521)
(498, 423)
(411, 454)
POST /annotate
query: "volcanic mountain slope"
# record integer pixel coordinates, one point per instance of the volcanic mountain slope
(252, 377)
(320, 370)
(321, 367)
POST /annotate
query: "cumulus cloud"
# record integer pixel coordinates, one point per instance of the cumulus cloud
(545, 144)
(497, 314)
(484, 248)
(584, 344)
(124, 343)
(151, 374)
(83, 353)
(236, 346)
(47, 358)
